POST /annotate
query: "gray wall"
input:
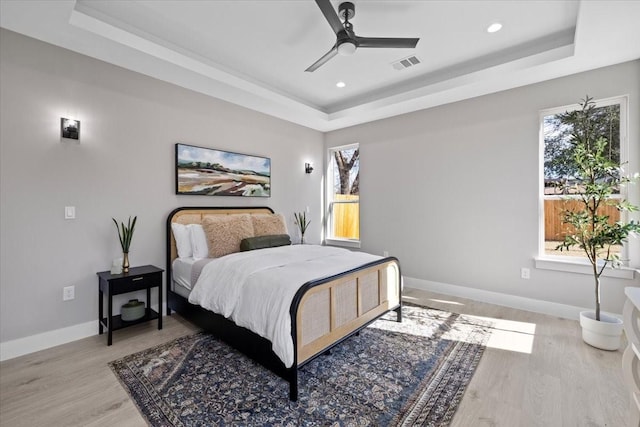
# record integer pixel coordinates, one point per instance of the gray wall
(124, 165)
(452, 191)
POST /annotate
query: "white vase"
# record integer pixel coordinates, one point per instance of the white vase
(604, 334)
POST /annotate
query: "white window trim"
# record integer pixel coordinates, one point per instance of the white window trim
(329, 239)
(347, 243)
(580, 265)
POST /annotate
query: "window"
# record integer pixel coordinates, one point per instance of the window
(343, 196)
(559, 184)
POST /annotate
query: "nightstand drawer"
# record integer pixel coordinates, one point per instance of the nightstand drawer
(135, 282)
(138, 278)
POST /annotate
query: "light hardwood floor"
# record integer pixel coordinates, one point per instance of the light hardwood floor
(535, 372)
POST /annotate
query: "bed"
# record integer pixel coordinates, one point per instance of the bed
(323, 311)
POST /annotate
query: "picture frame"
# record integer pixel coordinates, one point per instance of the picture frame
(212, 172)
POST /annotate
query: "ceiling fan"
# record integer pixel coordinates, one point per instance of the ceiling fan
(346, 40)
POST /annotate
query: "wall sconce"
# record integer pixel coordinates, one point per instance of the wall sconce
(308, 168)
(70, 128)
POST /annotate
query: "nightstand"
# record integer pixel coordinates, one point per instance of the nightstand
(138, 278)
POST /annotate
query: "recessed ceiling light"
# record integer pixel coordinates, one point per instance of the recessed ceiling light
(494, 28)
(341, 84)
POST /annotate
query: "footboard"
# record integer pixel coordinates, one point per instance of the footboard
(330, 310)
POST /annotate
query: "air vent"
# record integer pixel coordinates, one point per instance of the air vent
(405, 63)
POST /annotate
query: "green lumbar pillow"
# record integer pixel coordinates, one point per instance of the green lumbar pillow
(261, 242)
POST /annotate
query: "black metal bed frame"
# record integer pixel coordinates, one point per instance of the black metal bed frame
(242, 339)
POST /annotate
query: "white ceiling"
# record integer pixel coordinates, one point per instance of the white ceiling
(254, 53)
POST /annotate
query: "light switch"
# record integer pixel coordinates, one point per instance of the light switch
(69, 212)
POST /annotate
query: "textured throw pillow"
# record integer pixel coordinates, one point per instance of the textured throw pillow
(225, 232)
(183, 240)
(268, 224)
(198, 241)
(261, 242)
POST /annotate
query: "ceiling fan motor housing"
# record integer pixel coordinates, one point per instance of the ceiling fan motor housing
(346, 10)
(347, 42)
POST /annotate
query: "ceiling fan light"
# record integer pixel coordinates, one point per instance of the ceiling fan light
(347, 48)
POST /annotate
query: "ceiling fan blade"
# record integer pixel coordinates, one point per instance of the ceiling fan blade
(387, 42)
(331, 15)
(320, 62)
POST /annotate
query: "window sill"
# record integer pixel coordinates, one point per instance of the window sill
(343, 242)
(581, 266)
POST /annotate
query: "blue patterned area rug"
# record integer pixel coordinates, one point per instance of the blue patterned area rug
(391, 374)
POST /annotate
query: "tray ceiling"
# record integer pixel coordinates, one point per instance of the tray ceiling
(254, 53)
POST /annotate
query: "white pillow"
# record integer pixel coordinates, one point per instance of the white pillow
(183, 240)
(198, 241)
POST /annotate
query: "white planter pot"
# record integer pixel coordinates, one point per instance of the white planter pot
(604, 334)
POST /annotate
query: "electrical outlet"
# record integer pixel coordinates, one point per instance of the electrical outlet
(68, 293)
(69, 212)
(385, 253)
(525, 273)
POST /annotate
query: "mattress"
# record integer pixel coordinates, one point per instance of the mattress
(186, 272)
(255, 289)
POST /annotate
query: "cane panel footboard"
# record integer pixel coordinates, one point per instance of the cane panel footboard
(331, 311)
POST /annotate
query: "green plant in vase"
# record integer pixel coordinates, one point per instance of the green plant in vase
(125, 234)
(300, 219)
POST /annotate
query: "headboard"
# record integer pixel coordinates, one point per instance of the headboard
(194, 215)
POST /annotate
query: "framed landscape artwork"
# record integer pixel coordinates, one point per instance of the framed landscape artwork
(209, 172)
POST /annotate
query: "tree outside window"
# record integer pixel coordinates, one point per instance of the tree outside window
(560, 183)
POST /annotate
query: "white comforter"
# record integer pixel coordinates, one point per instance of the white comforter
(255, 288)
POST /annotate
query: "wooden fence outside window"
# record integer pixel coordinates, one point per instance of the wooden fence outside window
(346, 216)
(554, 229)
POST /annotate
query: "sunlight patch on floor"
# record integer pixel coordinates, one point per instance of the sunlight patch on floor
(508, 335)
(511, 335)
(437, 318)
(441, 301)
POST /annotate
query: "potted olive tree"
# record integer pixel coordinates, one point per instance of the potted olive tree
(596, 180)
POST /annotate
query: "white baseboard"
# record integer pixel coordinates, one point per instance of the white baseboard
(45, 340)
(537, 306)
(33, 343)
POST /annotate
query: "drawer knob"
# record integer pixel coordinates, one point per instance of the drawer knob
(135, 279)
